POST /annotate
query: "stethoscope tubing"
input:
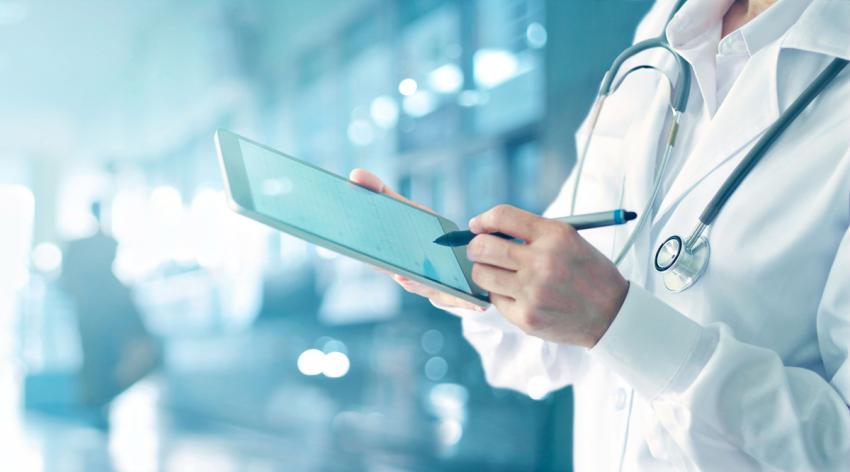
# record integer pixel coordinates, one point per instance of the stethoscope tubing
(767, 140)
(679, 99)
(656, 188)
(678, 103)
(690, 257)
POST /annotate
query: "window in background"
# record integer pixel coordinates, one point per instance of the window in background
(369, 88)
(526, 162)
(508, 64)
(405, 186)
(437, 188)
(430, 66)
(17, 206)
(451, 195)
(320, 126)
(486, 181)
(426, 188)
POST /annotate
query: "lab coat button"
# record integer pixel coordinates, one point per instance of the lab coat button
(619, 399)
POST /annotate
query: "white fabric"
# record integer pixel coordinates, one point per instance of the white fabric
(749, 368)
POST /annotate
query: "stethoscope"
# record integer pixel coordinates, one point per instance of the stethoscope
(682, 261)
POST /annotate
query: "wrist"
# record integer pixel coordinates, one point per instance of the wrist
(609, 313)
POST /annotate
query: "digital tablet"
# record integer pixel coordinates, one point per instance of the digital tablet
(328, 210)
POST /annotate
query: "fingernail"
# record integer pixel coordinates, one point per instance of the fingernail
(480, 309)
(474, 225)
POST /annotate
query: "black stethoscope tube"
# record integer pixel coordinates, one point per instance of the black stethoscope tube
(768, 139)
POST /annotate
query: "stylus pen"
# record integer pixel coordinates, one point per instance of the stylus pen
(590, 220)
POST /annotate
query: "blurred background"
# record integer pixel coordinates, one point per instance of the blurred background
(145, 327)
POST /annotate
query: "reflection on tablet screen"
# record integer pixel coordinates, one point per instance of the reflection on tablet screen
(337, 210)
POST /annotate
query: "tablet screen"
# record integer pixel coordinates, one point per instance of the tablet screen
(334, 209)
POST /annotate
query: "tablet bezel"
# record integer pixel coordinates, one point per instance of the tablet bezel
(240, 200)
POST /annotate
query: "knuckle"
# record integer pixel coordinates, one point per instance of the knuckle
(508, 249)
(477, 275)
(533, 321)
(501, 211)
(502, 208)
(564, 233)
(508, 252)
(524, 276)
(476, 247)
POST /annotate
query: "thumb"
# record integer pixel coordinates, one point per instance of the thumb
(510, 220)
(364, 178)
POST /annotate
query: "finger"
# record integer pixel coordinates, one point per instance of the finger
(381, 269)
(364, 178)
(436, 296)
(417, 288)
(495, 279)
(505, 304)
(508, 219)
(448, 301)
(496, 252)
(440, 298)
(511, 310)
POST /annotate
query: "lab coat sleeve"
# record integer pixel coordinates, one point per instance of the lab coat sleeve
(515, 360)
(708, 388)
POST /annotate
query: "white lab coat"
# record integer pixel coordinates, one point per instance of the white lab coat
(748, 369)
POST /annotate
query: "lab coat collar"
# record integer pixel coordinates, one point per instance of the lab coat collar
(753, 103)
(694, 32)
(773, 23)
(823, 28)
(693, 20)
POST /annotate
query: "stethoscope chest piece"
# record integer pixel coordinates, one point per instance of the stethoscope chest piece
(682, 263)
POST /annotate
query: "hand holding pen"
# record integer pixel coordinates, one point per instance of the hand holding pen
(579, 222)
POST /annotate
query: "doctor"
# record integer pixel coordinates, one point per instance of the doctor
(748, 369)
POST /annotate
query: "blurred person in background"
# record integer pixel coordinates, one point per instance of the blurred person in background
(747, 370)
(117, 349)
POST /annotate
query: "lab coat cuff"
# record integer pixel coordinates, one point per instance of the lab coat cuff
(650, 345)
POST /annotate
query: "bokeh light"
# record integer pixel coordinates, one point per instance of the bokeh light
(407, 87)
(311, 362)
(46, 257)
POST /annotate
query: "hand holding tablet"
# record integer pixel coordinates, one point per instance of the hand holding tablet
(364, 178)
(330, 211)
